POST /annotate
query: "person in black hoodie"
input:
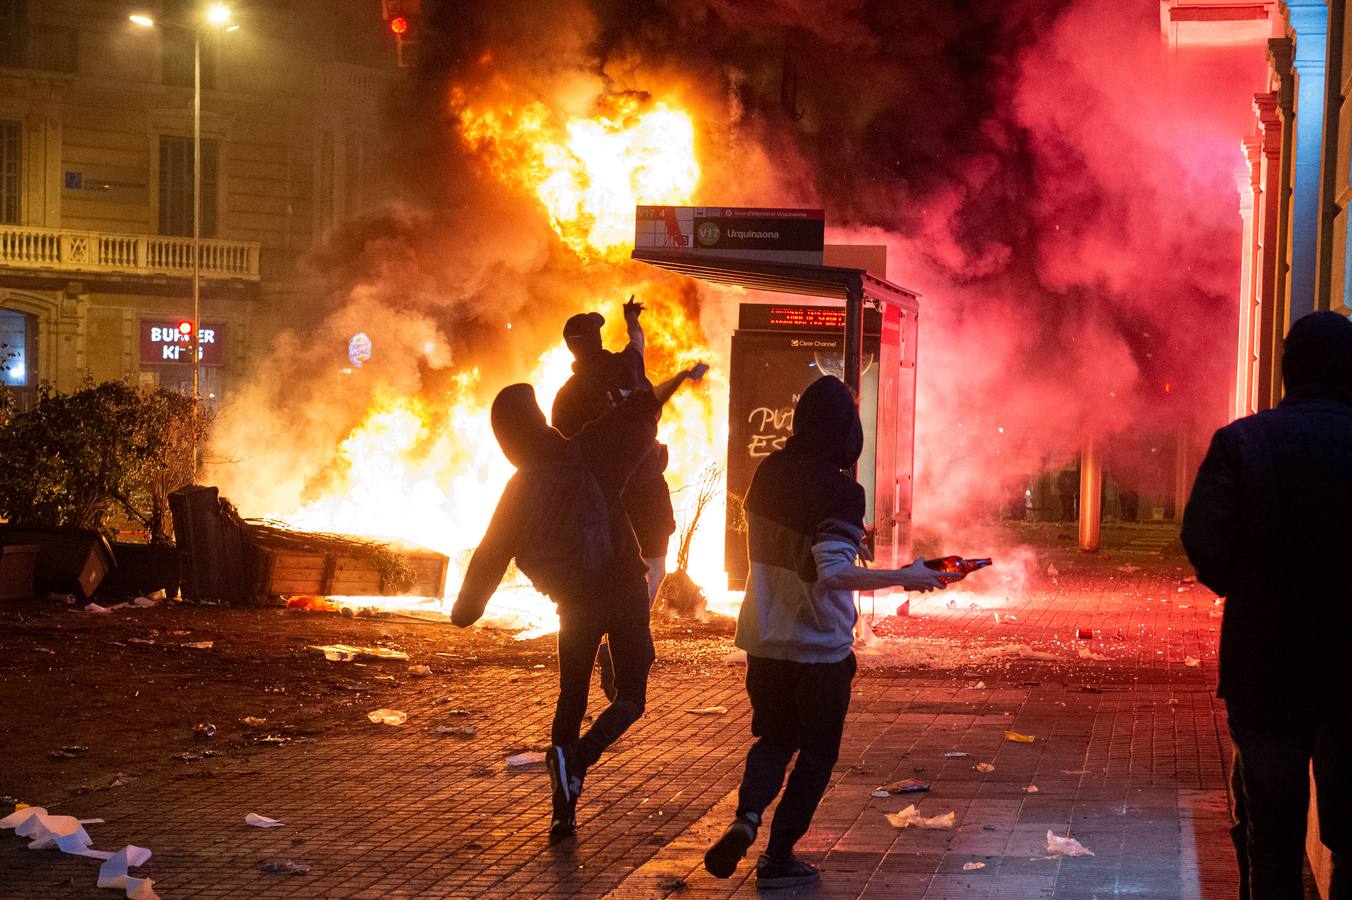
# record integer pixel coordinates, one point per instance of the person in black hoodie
(609, 599)
(805, 525)
(1266, 527)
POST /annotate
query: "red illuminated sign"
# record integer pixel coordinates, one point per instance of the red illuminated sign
(166, 344)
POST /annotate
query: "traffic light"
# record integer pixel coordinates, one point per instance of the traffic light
(404, 19)
(185, 328)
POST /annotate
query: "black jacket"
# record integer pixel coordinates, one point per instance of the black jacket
(1267, 527)
(609, 447)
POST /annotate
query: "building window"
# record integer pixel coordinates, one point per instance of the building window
(10, 185)
(176, 186)
(15, 335)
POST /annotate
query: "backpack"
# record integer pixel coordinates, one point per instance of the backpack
(567, 536)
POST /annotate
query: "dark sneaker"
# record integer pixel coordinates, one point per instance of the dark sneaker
(563, 826)
(785, 873)
(722, 858)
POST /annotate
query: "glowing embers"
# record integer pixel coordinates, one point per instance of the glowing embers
(589, 173)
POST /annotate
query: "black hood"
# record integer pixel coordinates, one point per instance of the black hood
(520, 426)
(1317, 362)
(826, 424)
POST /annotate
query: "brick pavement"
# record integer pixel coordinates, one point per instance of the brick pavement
(1129, 759)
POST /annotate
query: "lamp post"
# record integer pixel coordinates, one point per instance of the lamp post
(216, 15)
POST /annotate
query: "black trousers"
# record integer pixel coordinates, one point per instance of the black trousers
(795, 707)
(1271, 784)
(624, 623)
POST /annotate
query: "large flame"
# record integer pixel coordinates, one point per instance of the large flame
(589, 173)
(429, 471)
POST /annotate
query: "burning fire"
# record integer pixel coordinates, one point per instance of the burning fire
(589, 173)
(428, 471)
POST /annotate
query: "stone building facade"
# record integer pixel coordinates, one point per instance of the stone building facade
(96, 178)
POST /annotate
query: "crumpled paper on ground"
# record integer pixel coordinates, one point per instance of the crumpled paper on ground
(261, 821)
(46, 831)
(911, 816)
(708, 711)
(529, 758)
(387, 716)
(1065, 846)
(1018, 738)
(113, 873)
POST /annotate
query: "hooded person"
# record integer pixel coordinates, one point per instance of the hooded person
(1266, 528)
(561, 519)
(805, 526)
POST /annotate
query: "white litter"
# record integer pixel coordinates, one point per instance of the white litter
(1052, 570)
(1031, 789)
(984, 767)
(113, 873)
(199, 645)
(708, 711)
(420, 670)
(464, 731)
(529, 758)
(258, 821)
(1065, 846)
(1086, 653)
(955, 754)
(387, 716)
(95, 608)
(972, 866)
(1192, 662)
(911, 816)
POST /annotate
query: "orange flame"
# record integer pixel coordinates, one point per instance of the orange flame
(589, 173)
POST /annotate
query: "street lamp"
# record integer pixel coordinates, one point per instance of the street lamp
(216, 15)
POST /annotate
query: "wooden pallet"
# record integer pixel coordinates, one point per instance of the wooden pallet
(289, 572)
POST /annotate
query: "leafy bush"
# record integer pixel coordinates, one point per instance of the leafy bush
(77, 459)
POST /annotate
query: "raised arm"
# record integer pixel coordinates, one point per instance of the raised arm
(834, 552)
(632, 310)
(489, 562)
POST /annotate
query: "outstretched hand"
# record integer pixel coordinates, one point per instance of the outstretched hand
(632, 309)
(920, 577)
(698, 371)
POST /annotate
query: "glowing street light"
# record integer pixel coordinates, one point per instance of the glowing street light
(218, 15)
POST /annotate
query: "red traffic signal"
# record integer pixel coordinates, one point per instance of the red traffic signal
(185, 328)
(399, 25)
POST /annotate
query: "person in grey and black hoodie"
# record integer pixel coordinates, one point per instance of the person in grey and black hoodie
(605, 597)
(805, 525)
(1267, 528)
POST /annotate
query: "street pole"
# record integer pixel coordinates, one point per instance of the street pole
(196, 240)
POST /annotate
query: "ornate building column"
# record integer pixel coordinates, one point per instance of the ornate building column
(1268, 263)
(1307, 29)
(1250, 188)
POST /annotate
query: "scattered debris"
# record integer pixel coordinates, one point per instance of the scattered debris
(347, 652)
(421, 671)
(979, 686)
(252, 721)
(70, 752)
(911, 816)
(905, 786)
(1052, 570)
(1031, 789)
(1084, 634)
(956, 754)
(463, 731)
(880, 794)
(113, 873)
(258, 821)
(670, 883)
(984, 767)
(1018, 738)
(387, 716)
(973, 866)
(121, 780)
(272, 739)
(96, 609)
(199, 645)
(285, 867)
(1086, 653)
(708, 711)
(1192, 662)
(529, 758)
(1058, 846)
(204, 730)
(1128, 568)
(140, 641)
